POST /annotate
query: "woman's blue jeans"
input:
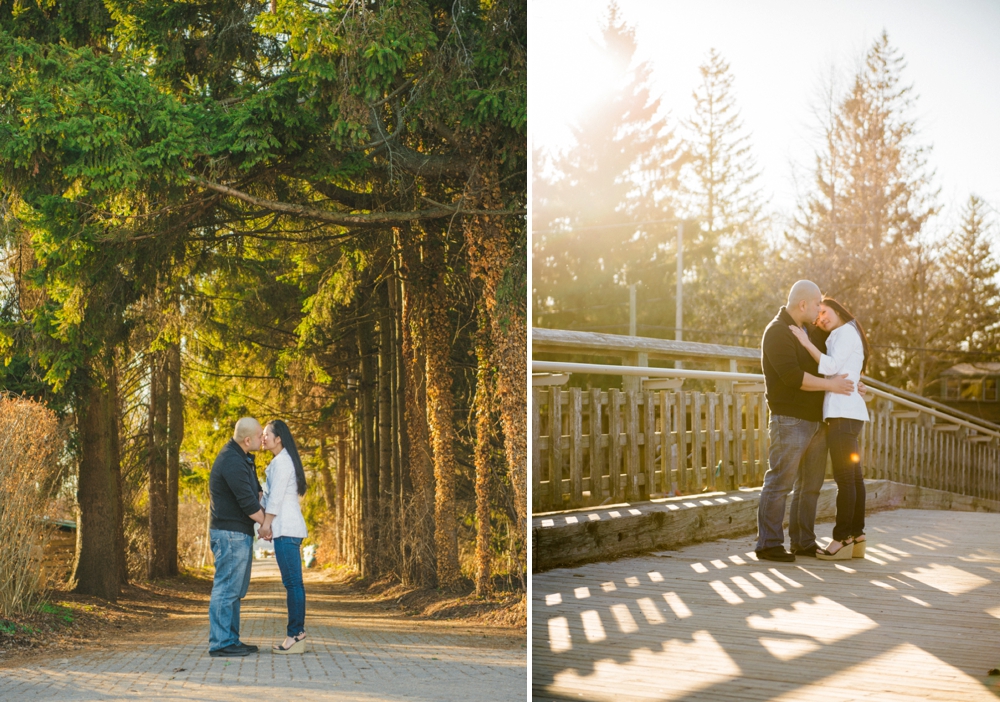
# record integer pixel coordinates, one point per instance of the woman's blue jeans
(842, 439)
(289, 557)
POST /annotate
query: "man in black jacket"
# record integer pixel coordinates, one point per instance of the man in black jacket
(235, 494)
(797, 457)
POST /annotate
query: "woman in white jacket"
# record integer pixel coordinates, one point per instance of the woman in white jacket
(283, 522)
(846, 352)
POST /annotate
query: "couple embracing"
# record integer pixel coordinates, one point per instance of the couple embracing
(813, 354)
(238, 501)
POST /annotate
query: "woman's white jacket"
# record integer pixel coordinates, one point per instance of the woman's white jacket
(281, 498)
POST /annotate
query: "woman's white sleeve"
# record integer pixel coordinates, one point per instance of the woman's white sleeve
(845, 348)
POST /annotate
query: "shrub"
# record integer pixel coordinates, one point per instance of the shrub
(30, 445)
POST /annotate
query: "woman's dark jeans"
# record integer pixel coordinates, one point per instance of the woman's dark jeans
(289, 557)
(842, 440)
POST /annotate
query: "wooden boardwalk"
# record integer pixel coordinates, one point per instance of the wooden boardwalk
(918, 619)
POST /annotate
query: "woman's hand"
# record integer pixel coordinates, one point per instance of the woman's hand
(800, 334)
(265, 533)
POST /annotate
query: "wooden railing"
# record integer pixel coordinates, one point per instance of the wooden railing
(591, 446)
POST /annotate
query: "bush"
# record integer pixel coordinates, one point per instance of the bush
(30, 445)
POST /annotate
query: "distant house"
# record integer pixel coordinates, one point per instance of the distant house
(972, 388)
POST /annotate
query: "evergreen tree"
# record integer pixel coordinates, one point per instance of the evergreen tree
(971, 270)
(731, 294)
(858, 230)
(592, 202)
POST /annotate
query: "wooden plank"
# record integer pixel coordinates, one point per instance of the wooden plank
(544, 379)
(632, 491)
(682, 441)
(576, 446)
(555, 447)
(649, 442)
(737, 423)
(751, 416)
(711, 441)
(536, 453)
(763, 437)
(596, 464)
(697, 440)
(730, 482)
(614, 443)
(666, 442)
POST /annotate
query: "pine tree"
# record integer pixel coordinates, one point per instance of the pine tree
(728, 258)
(590, 202)
(859, 228)
(971, 270)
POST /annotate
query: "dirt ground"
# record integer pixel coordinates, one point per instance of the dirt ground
(146, 610)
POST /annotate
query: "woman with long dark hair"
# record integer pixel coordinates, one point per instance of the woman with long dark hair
(847, 351)
(283, 522)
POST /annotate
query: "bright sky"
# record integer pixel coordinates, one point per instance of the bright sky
(778, 52)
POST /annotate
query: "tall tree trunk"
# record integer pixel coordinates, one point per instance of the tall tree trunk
(498, 254)
(483, 458)
(441, 416)
(157, 469)
(175, 436)
(399, 439)
(387, 537)
(342, 447)
(368, 519)
(419, 559)
(100, 546)
(329, 491)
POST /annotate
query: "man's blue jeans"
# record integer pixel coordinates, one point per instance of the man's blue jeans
(289, 557)
(797, 459)
(233, 551)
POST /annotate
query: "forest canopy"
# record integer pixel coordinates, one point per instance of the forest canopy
(312, 211)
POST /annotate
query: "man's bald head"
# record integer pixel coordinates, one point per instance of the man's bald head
(803, 301)
(247, 434)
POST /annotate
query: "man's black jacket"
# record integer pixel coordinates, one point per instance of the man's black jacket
(233, 487)
(784, 361)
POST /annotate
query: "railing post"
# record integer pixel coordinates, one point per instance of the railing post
(576, 446)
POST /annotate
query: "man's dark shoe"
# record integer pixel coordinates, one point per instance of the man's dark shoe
(806, 551)
(233, 651)
(775, 553)
(249, 647)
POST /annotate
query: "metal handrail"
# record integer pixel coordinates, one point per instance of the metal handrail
(648, 372)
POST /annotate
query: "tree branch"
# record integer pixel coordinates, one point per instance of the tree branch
(344, 219)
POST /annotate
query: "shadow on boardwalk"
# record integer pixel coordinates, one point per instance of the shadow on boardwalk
(357, 652)
(917, 619)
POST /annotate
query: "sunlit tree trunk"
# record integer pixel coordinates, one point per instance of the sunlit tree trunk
(159, 534)
(437, 334)
(175, 435)
(482, 455)
(99, 567)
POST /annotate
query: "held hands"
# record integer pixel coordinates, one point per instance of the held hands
(265, 533)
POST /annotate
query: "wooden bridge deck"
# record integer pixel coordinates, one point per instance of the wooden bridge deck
(918, 619)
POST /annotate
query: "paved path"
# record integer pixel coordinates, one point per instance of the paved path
(917, 619)
(355, 654)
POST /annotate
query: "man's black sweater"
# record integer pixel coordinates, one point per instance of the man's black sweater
(785, 361)
(233, 487)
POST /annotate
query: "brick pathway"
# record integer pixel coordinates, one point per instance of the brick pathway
(354, 654)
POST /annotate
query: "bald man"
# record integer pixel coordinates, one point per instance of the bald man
(235, 492)
(797, 459)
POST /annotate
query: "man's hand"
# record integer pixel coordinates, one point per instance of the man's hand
(265, 533)
(840, 385)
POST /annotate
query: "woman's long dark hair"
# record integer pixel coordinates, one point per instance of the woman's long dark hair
(281, 430)
(848, 317)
